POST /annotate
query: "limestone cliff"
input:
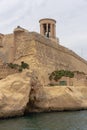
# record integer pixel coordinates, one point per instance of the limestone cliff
(58, 98)
(14, 94)
(22, 93)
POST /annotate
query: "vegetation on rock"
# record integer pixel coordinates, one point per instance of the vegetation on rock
(56, 75)
(19, 67)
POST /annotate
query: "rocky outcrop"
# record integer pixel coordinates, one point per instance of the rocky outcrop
(22, 93)
(14, 94)
(58, 98)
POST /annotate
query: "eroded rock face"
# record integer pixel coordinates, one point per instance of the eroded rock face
(14, 94)
(58, 98)
(22, 93)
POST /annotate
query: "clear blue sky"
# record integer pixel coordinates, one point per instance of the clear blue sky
(71, 17)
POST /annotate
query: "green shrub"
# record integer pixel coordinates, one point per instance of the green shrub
(13, 66)
(24, 65)
(19, 67)
(56, 75)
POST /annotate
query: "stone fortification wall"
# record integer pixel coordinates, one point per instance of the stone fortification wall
(25, 49)
(59, 59)
(7, 49)
(42, 54)
(47, 42)
(45, 56)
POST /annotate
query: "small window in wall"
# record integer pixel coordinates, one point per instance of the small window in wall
(63, 83)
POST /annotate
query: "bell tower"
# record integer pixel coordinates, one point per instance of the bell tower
(48, 28)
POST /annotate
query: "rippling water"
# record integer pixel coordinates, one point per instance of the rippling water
(48, 121)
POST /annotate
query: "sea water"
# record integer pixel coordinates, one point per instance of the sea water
(47, 121)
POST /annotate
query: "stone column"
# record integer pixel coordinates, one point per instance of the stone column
(54, 31)
(41, 29)
(51, 30)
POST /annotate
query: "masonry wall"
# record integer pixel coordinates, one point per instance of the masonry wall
(59, 59)
(7, 48)
(51, 59)
(45, 56)
(25, 49)
(42, 54)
